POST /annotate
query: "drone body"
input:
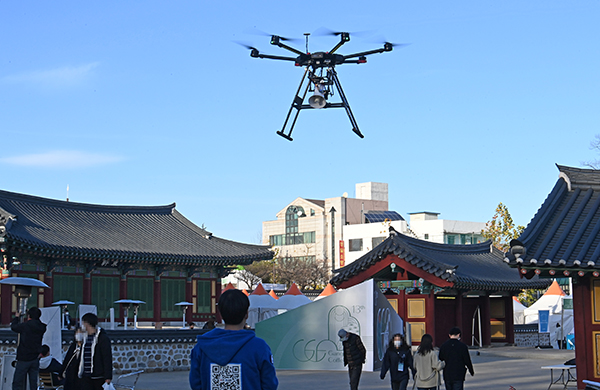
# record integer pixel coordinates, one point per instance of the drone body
(321, 75)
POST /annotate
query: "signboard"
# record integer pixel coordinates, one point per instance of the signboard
(342, 254)
(52, 337)
(306, 338)
(544, 321)
(567, 304)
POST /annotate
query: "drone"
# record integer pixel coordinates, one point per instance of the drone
(322, 78)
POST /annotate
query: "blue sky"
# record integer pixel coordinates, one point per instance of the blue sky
(149, 103)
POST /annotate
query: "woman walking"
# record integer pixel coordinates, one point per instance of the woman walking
(427, 365)
(398, 360)
(71, 361)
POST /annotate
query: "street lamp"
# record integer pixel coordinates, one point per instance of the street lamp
(184, 305)
(23, 291)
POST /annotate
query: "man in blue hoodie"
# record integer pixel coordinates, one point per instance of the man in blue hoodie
(232, 358)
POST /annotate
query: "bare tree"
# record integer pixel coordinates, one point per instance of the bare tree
(594, 145)
(247, 277)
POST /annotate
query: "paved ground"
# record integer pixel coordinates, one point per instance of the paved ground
(496, 368)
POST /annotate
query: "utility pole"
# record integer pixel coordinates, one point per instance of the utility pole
(332, 211)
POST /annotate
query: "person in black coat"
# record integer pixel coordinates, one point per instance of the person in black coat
(95, 366)
(398, 360)
(355, 354)
(456, 356)
(70, 368)
(31, 333)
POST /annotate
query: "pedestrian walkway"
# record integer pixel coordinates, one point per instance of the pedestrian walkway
(496, 368)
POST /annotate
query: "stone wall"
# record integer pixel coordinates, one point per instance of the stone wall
(151, 351)
(152, 357)
(147, 357)
(530, 339)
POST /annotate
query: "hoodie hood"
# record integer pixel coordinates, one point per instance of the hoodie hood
(221, 345)
(45, 361)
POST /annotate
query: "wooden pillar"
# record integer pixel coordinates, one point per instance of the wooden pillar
(87, 289)
(157, 316)
(509, 319)
(123, 295)
(486, 328)
(188, 298)
(6, 303)
(430, 314)
(48, 292)
(402, 304)
(584, 340)
(459, 311)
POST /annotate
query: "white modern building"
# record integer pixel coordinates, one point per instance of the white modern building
(340, 230)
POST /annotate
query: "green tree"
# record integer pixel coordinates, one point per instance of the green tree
(501, 229)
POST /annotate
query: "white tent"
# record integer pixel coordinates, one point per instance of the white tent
(518, 312)
(292, 299)
(262, 306)
(552, 301)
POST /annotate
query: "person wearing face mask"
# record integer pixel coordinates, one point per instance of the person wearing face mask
(71, 361)
(398, 360)
(355, 354)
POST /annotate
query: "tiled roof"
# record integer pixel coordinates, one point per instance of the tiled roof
(471, 267)
(565, 232)
(152, 233)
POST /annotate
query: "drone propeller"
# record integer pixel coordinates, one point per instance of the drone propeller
(259, 32)
(325, 31)
(246, 45)
(382, 41)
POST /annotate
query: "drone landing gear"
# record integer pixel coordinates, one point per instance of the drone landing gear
(298, 104)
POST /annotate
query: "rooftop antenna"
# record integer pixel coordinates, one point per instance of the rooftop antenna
(67, 192)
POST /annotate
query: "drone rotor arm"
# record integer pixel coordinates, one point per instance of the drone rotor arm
(276, 40)
(387, 47)
(270, 57)
(344, 37)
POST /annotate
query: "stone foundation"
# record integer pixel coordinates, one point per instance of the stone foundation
(151, 351)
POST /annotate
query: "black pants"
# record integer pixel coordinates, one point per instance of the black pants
(24, 370)
(454, 385)
(400, 385)
(354, 372)
(88, 383)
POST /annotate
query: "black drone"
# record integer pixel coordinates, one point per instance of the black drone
(321, 75)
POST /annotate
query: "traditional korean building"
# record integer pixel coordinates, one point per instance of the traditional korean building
(435, 287)
(97, 254)
(563, 240)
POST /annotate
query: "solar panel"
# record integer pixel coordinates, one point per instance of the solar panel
(381, 216)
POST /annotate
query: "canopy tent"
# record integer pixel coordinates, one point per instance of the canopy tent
(272, 293)
(229, 286)
(552, 300)
(518, 312)
(292, 299)
(329, 290)
(262, 306)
